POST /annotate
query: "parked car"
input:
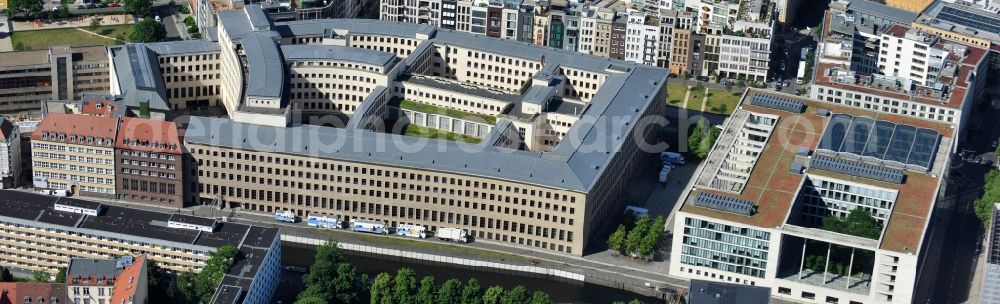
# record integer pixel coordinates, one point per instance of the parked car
(994, 144)
(102, 5)
(114, 4)
(81, 6)
(91, 6)
(157, 17)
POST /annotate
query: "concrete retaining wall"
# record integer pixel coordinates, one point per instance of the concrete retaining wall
(439, 258)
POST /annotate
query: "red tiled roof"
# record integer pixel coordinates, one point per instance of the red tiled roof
(148, 135)
(79, 125)
(897, 31)
(98, 107)
(129, 281)
(15, 292)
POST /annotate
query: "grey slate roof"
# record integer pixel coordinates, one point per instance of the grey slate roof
(454, 86)
(236, 23)
(257, 18)
(103, 268)
(707, 292)
(342, 53)
(265, 70)
(139, 78)
(318, 27)
(871, 7)
(363, 115)
(183, 47)
(387, 149)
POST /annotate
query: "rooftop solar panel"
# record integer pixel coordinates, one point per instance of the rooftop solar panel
(725, 203)
(856, 168)
(777, 103)
(969, 18)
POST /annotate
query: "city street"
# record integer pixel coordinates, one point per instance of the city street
(953, 261)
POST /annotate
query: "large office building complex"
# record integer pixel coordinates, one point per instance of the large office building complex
(533, 177)
(783, 167)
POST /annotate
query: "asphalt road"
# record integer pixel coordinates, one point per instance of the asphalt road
(948, 276)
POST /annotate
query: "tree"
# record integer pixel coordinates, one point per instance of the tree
(517, 295)
(635, 236)
(61, 275)
(28, 7)
(472, 293)
(346, 286)
(426, 293)
(95, 23)
(540, 297)
(182, 290)
(493, 295)
(140, 8)
(5, 275)
(64, 11)
(705, 146)
(635, 301)
(651, 241)
(617, 239)
(694, 140)
(450, 292)
(991, 194)
(382, 289)
(310, 300)
(404, 286)
(215, 268)
(148, 30)
(40, 276)
(859, 222)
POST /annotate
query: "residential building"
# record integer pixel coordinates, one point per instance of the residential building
(10, 154)
(939, 80)
(59, 73)
(103, 280)
(784, 165)
(69, 228)
(75, 153)
(32, 292)
(965, 24)
(642, 38)
(149, 160)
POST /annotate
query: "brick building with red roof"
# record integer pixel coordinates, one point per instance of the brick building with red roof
(150, 162)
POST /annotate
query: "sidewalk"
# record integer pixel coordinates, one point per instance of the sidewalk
(73, 22)
(5, 44)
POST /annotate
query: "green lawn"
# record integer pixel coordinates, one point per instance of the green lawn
(418, 131)
(675, 94)
(42, 39)
(722, 102)
(426, 108)
(697, 96)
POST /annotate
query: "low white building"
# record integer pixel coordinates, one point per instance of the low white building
(10, 154)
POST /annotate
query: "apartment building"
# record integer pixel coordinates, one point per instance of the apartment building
(59, 73)
(106, 280)
(939, 80)
(783, 165)
(75, 153)
(41, 232)
(17, 292)
(10, 154)
(642, 38)
(969, 24)
(149, 161)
